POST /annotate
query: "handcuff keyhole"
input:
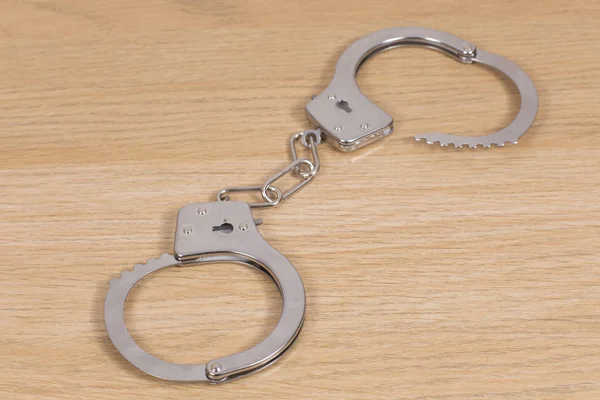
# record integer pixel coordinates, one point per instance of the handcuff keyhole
(343, 105)
(225, 227)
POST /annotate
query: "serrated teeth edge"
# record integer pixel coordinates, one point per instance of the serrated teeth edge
(123, 274)
(458, 145)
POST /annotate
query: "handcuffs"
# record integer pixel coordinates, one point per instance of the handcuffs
(225, 230)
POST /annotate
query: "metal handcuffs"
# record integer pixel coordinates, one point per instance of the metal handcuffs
(225, 231)
(366, 122)
(208, 233)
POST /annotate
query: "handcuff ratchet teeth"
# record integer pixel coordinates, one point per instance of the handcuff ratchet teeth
(225, 230)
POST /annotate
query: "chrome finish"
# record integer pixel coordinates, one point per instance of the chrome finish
(311, 138)
(269, 202)
(314, 139)
(347, 117)
(198, 241)
(295, 165)
(225, 231)
(317, 134)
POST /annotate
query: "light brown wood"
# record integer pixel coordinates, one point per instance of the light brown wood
(431, 274)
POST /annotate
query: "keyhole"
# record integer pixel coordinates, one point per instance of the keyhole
(225, 227)
(343, 105)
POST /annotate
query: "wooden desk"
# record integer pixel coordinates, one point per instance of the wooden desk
(430, 273)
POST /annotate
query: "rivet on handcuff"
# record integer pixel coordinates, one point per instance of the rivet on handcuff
(225, 230)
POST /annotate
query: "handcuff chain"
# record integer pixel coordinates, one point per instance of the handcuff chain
(303, 167)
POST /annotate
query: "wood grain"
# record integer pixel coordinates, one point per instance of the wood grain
(431, 274)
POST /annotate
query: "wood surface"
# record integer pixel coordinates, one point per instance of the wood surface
(430, 273)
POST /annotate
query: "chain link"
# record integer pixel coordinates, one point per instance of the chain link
(304, 168)
(269, 202)
(310, 139)
(294, 166)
